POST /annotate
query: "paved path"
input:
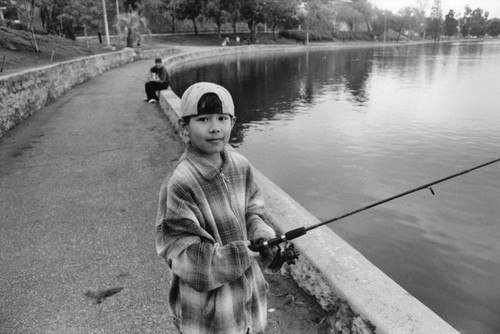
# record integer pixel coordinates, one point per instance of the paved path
(79, 182)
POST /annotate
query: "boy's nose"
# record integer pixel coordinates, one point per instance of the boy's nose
(214, 127)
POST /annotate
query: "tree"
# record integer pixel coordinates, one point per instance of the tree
(252, 12)
(450, 24)
(435, 21)
(409, 19)
(61, 16)
(132, 5)
(48, 13)
(401, 21)
(493, 28)
(478, 22)
(132, 24)
(214, 10)
(172, 5)
(348, 14)
(233, 11)
(189, 9)
(26, 9)
(279, 12)
(158, 14)
(366, 10)
(81, 13)
(378, 23)
(464, 22)
(320, 16)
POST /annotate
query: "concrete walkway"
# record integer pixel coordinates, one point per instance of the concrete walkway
(79, 182)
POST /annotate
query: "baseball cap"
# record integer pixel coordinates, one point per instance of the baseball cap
(206, 98)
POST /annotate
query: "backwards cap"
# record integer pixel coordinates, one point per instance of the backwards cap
(206, 98)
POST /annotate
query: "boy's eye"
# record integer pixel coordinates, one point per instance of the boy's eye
(202, 119)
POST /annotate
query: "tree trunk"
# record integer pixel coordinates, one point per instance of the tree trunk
(31, 29)
(399, 34)
(130, 40)
(218, 28)
(86, 36)
(195, 27)
(251, 27)
(30, 17)
(33, 39)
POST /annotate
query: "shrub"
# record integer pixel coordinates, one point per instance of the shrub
(301, 35)
(353, 36)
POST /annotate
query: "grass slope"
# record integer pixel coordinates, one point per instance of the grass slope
(17, 53)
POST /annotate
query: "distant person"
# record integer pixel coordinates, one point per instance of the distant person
(157, 80)
(226, 41)
(237, 40)
(209, 209)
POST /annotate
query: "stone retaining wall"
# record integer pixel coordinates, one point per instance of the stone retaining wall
(362, 299)
(22, 94)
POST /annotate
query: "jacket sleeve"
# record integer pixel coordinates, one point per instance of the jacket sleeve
(164, 75)
(255, 211)
(189, 250)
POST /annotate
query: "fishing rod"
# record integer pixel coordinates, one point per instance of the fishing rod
(295, 233)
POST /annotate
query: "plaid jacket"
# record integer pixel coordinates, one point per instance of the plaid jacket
(204, 215)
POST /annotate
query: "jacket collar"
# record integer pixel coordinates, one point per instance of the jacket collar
(204, 167)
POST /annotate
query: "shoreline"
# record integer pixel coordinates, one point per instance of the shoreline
(180, 46)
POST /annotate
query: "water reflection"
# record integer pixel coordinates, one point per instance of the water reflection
(291, 81)
(338, 130)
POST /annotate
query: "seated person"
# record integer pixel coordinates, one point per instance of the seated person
(157, 80)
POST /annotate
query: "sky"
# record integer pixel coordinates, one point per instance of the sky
(492, 6)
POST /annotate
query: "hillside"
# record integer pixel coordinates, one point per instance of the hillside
(17, 53)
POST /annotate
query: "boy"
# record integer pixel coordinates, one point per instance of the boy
(157, 80)
(209, 209)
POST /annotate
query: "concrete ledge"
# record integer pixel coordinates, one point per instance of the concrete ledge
(361, 297)
(343, 280)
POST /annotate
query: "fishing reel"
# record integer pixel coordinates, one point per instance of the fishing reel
(287, 254)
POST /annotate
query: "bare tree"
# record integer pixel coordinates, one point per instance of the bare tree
(26, 8)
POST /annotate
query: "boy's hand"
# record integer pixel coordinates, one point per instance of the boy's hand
(266, 253)
(251, 253)
(273, 257)
(270, 257)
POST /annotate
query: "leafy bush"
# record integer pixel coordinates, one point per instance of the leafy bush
(301, 35)
(353, 36)
(326, 35)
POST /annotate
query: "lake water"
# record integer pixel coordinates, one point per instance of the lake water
(341, 129)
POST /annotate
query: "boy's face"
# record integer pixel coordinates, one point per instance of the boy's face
(158, 64)
(209, 133)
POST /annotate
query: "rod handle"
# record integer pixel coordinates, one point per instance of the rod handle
(290, 235)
